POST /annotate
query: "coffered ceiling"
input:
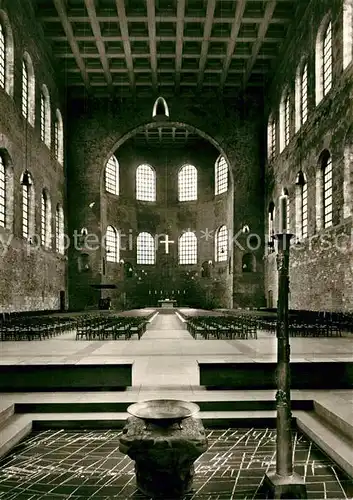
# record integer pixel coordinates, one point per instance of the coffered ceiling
(167, 47)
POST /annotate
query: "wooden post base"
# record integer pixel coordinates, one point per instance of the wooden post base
(279, 487)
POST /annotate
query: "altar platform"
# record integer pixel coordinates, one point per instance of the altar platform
(167, 303)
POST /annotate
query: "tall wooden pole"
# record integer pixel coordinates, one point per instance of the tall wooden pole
(284, 483)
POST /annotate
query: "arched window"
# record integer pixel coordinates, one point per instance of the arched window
(301, 95)
(112, 244)
(188, 248)
(187, 183)
(59, 230)
(45, 220)
(145, 249)
(6, 54)
(271, 138)
(347, 32)
(3, 193)
(348, 175)
(221, 175)
(2, 56)
(271, 222)
(301, 208)
(27, 205)
(323, 61)
(28, 89)
(284, 120)
(221, 244)
(59, 138)
(45, 118)
(324, 191)
(112, 175)
(6, 190)
(145, 183)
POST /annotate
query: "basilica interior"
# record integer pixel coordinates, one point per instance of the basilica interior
(176, 204)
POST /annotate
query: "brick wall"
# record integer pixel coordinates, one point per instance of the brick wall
(31, 278)
(321, 266)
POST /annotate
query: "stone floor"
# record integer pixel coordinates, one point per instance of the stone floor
(61, 464)
(167, 354)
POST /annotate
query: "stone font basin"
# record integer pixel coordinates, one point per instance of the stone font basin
(164, 453)
(165, 410)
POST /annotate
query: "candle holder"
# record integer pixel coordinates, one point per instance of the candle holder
(283, 483)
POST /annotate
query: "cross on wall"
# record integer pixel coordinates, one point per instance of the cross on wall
(167, 242)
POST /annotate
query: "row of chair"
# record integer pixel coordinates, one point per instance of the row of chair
(319, 327)
(110, 327)
(34, 328)
(222, 327)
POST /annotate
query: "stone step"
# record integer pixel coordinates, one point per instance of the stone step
(17, 427)
(338, 415)
(331, 441)
(78, 406)
(6, 411)
(117, 419)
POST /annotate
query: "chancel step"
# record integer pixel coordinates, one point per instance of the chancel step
(17, 427)
(335, 444)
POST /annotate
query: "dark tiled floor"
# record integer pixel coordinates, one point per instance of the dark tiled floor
(52, 465)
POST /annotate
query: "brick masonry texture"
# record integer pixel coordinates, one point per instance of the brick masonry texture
(321, 272)
(99, 128)
(30, 278)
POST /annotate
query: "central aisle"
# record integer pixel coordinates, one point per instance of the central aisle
(171, 369)
(166, 326)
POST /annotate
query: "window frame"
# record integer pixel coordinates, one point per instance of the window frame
(3, 58)
(271, 138)
(327, 60)
(145, 183)
(45, 219)
(187, 249)
(59, 229)
(3, 192)
(59, 138)
(221, 241)
(112, 245)
(45, 116)
(25, 91)
(145, 251)
(327, 188)
(285, 120)
(347, 33)
(8, 54)
(221, 175)
(111, 176)
(301, 206)
(187, 183)
(323, 60)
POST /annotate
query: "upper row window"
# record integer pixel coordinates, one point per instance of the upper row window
(323, 80)
(146, 180)
(28, 90)
(6, 54)
(221, 175)
(145, 183)
(323, 60)
(347, 33)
